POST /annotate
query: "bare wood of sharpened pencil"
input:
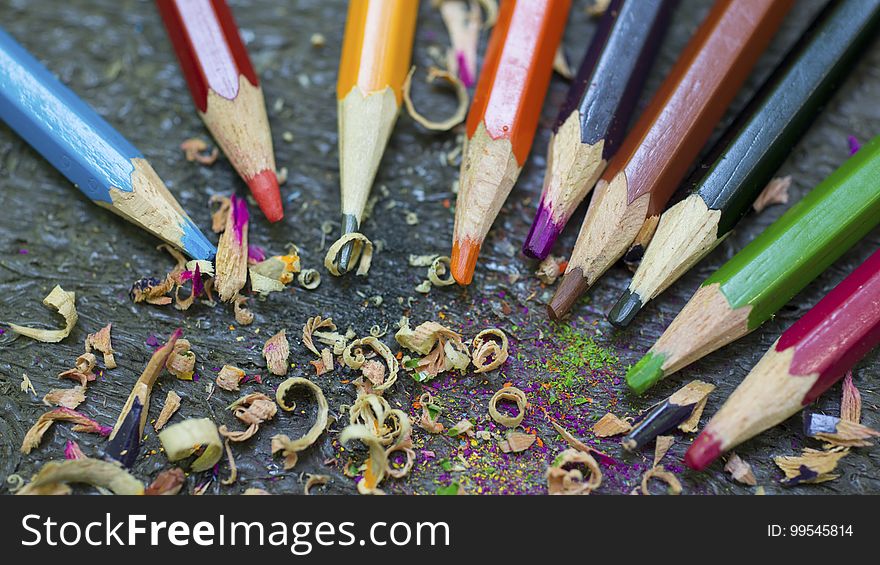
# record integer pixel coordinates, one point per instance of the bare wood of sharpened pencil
(706, 323)
(768, 396)
(687, 232)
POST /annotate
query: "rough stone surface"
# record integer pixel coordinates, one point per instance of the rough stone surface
(116, 56)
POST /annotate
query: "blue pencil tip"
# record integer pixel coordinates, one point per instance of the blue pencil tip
(195, 244)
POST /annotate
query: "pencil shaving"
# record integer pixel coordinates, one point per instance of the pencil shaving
(276, 351)
(511, 394)
(461, 94)
(740, 470)
(100, 341)
(283, 444)
(610, 425)
(94, 472)
(490, 350)
(252, 410)
(171, 405)
(198, 435)
(564, 478)
(658, 472)
(65, 303)
(194, 150)
(65, 397)
(229, 378)
(361, 255)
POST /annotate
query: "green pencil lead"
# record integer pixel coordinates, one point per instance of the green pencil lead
(646, 373)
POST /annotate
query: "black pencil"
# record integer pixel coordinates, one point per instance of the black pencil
(752, 150)
(594, 117)
(685, 404)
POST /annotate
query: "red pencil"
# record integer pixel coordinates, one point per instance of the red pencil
(226, 91)
(805, 361)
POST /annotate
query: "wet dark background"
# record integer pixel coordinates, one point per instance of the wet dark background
(114, 53)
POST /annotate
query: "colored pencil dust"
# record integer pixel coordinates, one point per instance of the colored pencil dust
(655, 156)
(88, 151)
(376, 55)
(503, 119)
(760, 279)
(754, 147)
(813, 354)
(226, 91)
(593, 119)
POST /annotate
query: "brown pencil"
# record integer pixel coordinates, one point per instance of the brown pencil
(655, 156)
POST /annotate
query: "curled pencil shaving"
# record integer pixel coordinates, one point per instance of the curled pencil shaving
(325, 363)
(740, 470)
(233, 469)
(566, 478)
(65, 397)
(658, 472)
(463, 23)
(283, 444)
(776, 192)
(167, 483)
(490, 350)
(171, 405)
(100, 341)
(812, 466)
(354, 357)
(511, 394)
(243, 316)
(82, 423)
(194, 436)
(182, 361)
(661, 447)
(95, 472)
(312, 328)
(309, 279)
(252, 409)
(441, 266)
(462, 427)
(253, 491)
(231, 260)
(610, 425)
(194, 149)
(83, 370)
(430, 414)
(442, 348)
(26, 385)
(315, 481)
(461, 94)
(361, 255)
(229, 377)
(850, 400)
(65, 303)
(276, 351)
(385, 431)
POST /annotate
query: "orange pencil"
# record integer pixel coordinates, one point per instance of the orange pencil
(376, 55)
(502, 121)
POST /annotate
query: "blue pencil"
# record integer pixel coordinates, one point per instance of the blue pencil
(88, 151)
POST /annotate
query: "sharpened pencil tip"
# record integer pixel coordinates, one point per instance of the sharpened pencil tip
(646, 373)
(703, 452)
(628, 305)
(542, 235)
(464, 260)
(573, 285)
(194, 243)
(350, 224)
(264, 187)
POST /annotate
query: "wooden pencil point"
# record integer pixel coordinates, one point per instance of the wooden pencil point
(570, 289)
(687, 232)
(572, 170)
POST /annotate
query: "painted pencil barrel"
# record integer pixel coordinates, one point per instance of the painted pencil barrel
(88, 151)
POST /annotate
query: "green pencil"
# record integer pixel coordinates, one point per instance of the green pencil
(751, 287)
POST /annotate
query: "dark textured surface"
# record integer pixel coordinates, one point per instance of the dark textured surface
(116, 56)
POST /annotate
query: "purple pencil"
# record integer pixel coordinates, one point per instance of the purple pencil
(594, 117)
